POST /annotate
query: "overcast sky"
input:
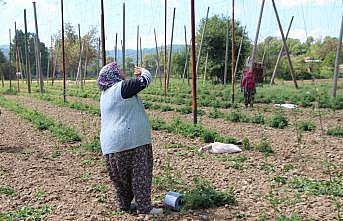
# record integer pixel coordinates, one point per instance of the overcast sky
(317, 18)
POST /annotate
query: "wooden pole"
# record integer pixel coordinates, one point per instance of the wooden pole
(80, 58)
(55, 63)
(98, 57)
(202, 39)
(103, 48)
(285, 46)
(10, 62)
(165, 47)
(85, 71)
(233, 52)
(170, 52)
(116, 48)
(185, 70)
(205, 72)
(239, 53)
(338, 56)
(41, 83)
(194, 79)
(257, 33)
(137, 51)
(280, 54)
(226, 51)
(16, 55)
(63, 55)
(123, 46)
(157, 58)
(140, 49)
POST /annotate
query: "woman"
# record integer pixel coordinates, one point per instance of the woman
(125, 137)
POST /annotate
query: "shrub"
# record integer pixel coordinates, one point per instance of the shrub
(257, 119)
(278, 121)
(306, 126)
(165, 108)
(185, 110)
(215, 113)
(336, 132)
(203, 196)
(264, 146)
(233, 116)
(246, 144)
(158, 123)
(94, 145)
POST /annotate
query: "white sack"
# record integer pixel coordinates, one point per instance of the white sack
(218, 147)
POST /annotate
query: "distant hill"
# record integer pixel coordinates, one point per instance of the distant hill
(132, 52)
(4, 49)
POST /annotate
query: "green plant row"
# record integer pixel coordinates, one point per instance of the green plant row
(60, 131)
(190, 130)
(26, 213)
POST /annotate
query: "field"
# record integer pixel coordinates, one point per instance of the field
(291, 166)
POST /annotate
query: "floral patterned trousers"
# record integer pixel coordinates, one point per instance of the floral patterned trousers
(131, 174)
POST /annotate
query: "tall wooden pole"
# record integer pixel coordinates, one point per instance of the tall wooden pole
(140, 49)
(194, 79)
(205, 72)
(233, 52)
(63, 55)
(123, 46)
(16, 55)
(226, 52)
(285, 46)
(257, 33)
(41, 83)
(170, 51)
(157, 58)
(137, 51)
(80, 57)
(202, 39)
(103, 49)
(338, 56)
(280, 54)
(116, 48)
(165, 47)
(98, 57)
(10, 62)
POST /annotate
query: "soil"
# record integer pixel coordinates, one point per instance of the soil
(28, 165)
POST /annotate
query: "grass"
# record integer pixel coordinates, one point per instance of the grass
(62, 132)
(40, 194)
(102, 188)
(7, 190)
(27, 213)
(333, 187)
(246, 144)
(234, 162)
(266, 167)
(306, 126)
(335, 131)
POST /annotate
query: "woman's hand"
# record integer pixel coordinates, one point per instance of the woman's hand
(138, 71)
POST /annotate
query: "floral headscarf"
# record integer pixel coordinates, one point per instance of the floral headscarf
(108, 76)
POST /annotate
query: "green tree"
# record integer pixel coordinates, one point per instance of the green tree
(214, 44)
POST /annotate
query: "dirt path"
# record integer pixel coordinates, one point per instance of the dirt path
(252, 184)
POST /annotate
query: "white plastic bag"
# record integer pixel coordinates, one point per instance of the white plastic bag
(218, 147)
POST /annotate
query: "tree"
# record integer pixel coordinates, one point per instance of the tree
(214, 44)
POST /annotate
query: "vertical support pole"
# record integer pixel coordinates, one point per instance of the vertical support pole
(257, 33)
(233, 52)
(194, 79)
(140, 49)
(116, 48)
(157, 58)
(16, 55)
(98, 57)
(10, 61)
(123, 46)
(205, 72)
(239, 53)
(185, 70)
(226, 51)
(170, 52)
(202, 39)
(137, 50)
(41, 83)
(338, 55)
(54, 63)
(285, 46)
(80, 58)
(63, 55)
(165, 47)
(280, 54)
(103, 49)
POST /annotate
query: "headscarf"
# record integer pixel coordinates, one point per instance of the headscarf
(108, 76)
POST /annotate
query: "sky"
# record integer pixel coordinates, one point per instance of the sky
(317, 18)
